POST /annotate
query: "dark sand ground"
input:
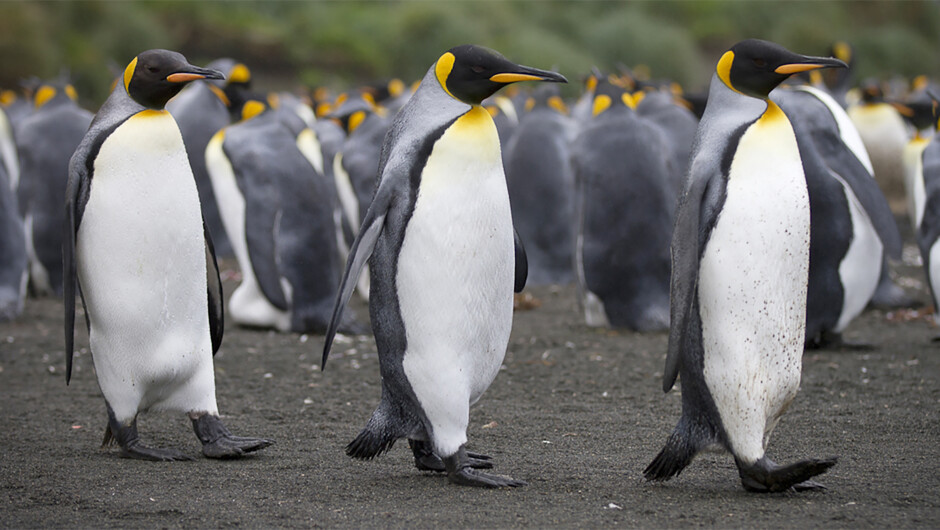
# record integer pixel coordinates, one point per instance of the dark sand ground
(576, 412)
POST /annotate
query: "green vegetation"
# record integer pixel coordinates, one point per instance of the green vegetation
(343, 43)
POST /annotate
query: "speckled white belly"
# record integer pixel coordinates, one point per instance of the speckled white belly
(752, 287)
(142, 266)
(455, 280)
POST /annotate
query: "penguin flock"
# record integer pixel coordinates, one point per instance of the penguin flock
(751, 223)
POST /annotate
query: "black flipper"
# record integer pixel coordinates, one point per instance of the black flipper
(262, 218)
(678, 452)
(218, 442)
(764, 476)
(214, 286)
(522, 263)
(378, 436)
(76, 197)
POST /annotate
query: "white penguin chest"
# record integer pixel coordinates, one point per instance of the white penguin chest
(456, 264)
(140, 247)
(754, 270)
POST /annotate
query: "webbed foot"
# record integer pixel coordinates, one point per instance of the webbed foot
(426, 460)
(764, 476)
(218, 442)
(460, 472)
(128, 439)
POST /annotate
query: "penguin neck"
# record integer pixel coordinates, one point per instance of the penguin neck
(721, 98)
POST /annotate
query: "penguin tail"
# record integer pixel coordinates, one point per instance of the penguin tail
(376, 438)
(681, 447)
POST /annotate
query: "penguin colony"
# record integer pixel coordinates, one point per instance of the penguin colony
(751, 223)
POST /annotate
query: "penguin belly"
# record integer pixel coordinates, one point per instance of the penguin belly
(914, 179)
(752, 287)
(142, 268)
(933, 273)
(247, 305)
(455, 277)
(860, 268)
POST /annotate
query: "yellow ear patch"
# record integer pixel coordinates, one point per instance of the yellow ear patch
(129, 73)
(356, 120)
(628, 100)
(842, 51)
(71, 93)
(529, 104)
(239, 74)
(251, 109)
(7, 97)
(220, 94)
(442, 70)
(591, 83)
(43, 95)
(396, 87)
(601, 103)
(558, 104)
(724, 69)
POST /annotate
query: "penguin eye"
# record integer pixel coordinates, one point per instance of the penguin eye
(477, 69)
(760, 63)
(153, 69)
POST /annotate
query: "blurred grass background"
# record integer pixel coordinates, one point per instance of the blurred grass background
(340, 44)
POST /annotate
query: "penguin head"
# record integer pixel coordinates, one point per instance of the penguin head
(155, 76)
(55, 91)
(755, 67)
(546, 96)
(472, 73)
(608, 95)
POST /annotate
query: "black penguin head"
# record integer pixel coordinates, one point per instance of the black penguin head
(54, 92)
(755, 67)
(609, 95)
(473, 73)
(155, 76)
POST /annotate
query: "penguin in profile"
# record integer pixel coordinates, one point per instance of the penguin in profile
(541, 186)
(444, 265)
(277, 208)
(917, 110)
(46, 140)
(928, 232)
(625, 206)
(13, 271)
(740, 262)
(852, 225)
(8, 156)
(138, 251)
(200, 110)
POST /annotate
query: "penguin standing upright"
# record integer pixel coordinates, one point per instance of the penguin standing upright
(444, 265)
(740, 260)
(13, 272)
(928, 231)
(138, 250)
(46, 140)
(541, 186)
(626, 201)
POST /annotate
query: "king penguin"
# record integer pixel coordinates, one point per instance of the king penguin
(740, 260)
(138, 250)
(13, 271)
(928, 231)
(45, 141)
(444, 265)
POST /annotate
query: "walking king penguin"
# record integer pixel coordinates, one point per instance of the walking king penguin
(444, 265)
(740, 260)
(137, 248)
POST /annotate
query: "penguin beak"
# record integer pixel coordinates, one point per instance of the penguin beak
(525, 73)
(810, 63)
(193, 73)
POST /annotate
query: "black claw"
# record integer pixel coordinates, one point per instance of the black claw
(462, 471)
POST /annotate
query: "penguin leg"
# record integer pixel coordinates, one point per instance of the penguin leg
(764, 476)
(218, 442)
(127, 438)
(832, 340)
(460, 472)
(426, 460)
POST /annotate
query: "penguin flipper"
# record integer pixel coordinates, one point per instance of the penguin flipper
(76, 197)
(359, 253)
(261, 234)
(522, 263)
(214, 286)
(695, 217)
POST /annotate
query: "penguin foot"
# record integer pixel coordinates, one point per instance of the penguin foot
(764, 476)
(218, 442)
(128, 439)
(460, 472)
(426, 460)
(830, 340)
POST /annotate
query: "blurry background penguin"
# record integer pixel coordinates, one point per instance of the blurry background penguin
(8, 155)
(928, 231)
(45, 141)
(277, 207)
(852, 227)
(917, 110)
(201, 109)
(626, 200)
(541, 186)
(13, 271)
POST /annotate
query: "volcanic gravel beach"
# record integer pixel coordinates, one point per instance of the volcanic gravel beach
(577, 412)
